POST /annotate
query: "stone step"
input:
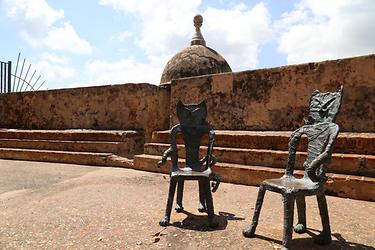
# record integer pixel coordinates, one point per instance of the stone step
(72, 134)
(127, 147)
(356, 164)
(348, 186)
(359, 143)
(82, 158)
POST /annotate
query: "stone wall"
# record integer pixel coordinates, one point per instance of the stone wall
(126, 106)
(265, 99)
(277, 98)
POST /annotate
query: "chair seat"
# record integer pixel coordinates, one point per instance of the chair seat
(292, 185)
(188, 172)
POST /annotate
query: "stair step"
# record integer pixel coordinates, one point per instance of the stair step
(348, 186)
(359, 143)
(82, 158)
(124, 148)
(341, 163)
(71, 134)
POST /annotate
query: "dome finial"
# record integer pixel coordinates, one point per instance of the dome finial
(198, 38)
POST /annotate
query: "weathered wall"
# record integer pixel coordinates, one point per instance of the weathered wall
(277, 98)
(126, 106)
(266, 99)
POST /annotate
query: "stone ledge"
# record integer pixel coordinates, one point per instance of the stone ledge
(347, 186)
(360, 143)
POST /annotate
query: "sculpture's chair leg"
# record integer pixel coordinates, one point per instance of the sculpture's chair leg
(202, 198)
(300, 227)
(325, 236)
(172, 188)
(180, 193)
(210, 205)
(250, 231)
(288, 200)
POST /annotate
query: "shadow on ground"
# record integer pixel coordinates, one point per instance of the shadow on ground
(338, 242)
(200, 222)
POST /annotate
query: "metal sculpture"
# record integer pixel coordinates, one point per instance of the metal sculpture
(193, 126)
(321, 131)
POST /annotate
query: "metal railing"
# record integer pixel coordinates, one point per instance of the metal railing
(5, 76)
(20, 82)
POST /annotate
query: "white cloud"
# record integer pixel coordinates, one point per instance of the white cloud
(35, 16)
(54, 68)
(57, 40)
(102, 72)
(319, 30)
(39, 26)
(238, 33)
(122, 36)
(165, 28)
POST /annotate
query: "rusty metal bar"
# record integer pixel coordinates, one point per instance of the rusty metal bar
(32, 87)
(1, 77)
(15, 73)
(41, 85)
(4, 75)
(28, 83)
(9, 75)
(24, 80)
(19, 79)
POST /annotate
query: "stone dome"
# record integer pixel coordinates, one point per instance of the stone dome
(196, 60)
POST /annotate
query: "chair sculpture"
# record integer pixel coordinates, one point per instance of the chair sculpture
(321, 131)
(193, 126)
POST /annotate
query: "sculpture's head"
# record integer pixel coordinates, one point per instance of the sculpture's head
(324, 106)
(192, 114)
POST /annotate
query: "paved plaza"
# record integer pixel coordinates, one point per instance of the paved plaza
(63, 206)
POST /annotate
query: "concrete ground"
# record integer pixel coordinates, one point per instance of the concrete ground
(62, 206)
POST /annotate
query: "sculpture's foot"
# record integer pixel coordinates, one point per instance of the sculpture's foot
(164, 222)
(202, 208)
(300, 228)
(249, 232)
(323, 238)
(284, 248)
(179, 208)
(213, 223)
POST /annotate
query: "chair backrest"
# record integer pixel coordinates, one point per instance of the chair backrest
(194, 126)
(321, 133)
(324, 106)
(321, 130)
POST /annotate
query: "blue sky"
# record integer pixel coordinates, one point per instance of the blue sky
(96, 42)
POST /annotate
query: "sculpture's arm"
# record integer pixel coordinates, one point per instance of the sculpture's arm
(292, 148)
(325, 155)
(210, 159)
(172, 150)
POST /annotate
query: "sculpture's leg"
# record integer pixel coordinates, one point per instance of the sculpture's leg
(288, 200)
(180, 193)
(325, 236)
(210, 205)
(250, 231)
(172, 188)
(300, 227)
(202, 198)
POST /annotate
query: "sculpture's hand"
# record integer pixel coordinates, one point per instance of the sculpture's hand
(310, 170)
(286, 176)
(161, 162)
(203, 159)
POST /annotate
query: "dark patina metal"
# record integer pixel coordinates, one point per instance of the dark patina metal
(321, 131)
(193, 126)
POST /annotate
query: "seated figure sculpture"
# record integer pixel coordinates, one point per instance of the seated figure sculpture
(193, 126)
(321, 131)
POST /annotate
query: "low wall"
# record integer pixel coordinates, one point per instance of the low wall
(266, 99)
(277, 98)
(126, 106)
